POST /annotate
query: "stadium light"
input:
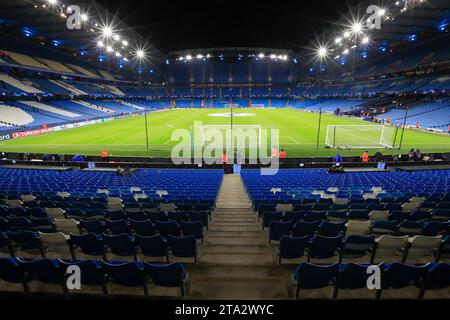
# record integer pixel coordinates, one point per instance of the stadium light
(338, 40)
(357, 28)
(199, 56)
(52, 2)
(140, 54)
(346, 51)
(116, 37)
(84, 17)
(100, 44)
(107, 31)
(109, 49)
(322, 52)
(261, 55)
(125, 43)
(188, 57)
(273, 56)
(346, 34)
(365, 40)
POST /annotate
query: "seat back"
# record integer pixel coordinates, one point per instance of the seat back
(166, 275)
(357, 228)
(67, 226)
(310, 276)
(56, 243)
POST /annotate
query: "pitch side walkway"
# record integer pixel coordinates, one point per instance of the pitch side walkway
(236, 261)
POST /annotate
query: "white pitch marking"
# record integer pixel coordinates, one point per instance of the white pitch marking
(170, 126)
(296, 141)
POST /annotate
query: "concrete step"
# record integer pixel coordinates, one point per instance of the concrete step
(235, 215)
(236, 241)
(239, 282)
(232, 205)
(234, 211)
(238, 219)
(235, 234)
(235, 227)
(234, 259)
(236, 249)
(239, 289)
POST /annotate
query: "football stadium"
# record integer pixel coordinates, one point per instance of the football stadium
(218, 151)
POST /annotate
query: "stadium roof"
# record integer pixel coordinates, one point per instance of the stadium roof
(47, 21)
(402, 20)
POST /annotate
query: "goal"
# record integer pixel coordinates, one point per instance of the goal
(361, 136)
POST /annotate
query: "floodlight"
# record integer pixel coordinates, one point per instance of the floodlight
(140, 54)
(322, 52)
(357, 28)
(338, 40)
(107, 31)
(365, 40)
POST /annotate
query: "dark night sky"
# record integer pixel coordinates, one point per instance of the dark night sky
(178, 25)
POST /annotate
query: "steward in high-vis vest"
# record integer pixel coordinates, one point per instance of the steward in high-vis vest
(365, 157)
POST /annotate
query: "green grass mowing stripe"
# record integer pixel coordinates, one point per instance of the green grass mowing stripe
(126, 137)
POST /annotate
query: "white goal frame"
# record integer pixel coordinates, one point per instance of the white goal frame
(331, 131)
(228, 127)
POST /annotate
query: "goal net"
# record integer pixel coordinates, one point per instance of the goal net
(361, 136)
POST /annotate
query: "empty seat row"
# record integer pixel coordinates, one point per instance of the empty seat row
(356, 214)
(94, 273)
(333, 229)
(58, 245)
(347, 277)
(387, 248)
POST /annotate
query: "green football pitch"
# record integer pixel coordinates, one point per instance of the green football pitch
(127, 137)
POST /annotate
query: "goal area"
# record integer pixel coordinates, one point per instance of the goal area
(361, 136)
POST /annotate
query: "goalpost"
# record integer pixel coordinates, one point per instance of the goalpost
(361, 136)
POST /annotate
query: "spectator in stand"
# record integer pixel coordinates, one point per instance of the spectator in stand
(224, 158)
(411, 155)
(283, 154)
(378, 157)
(365, 157)
(104, 155)
(120, 171)
(338, 159)
(418, 155)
